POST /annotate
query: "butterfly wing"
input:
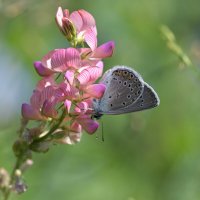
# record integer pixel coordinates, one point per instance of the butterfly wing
(123, 88)
(148, 99)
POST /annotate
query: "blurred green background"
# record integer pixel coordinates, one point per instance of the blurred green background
(150, 155)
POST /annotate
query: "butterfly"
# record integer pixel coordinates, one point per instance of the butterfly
(125, 92)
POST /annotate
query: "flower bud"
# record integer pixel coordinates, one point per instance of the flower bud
(68, 29)
(41, 147)
(19, 186)
(65, 25)
(4, 178)
(20, 147)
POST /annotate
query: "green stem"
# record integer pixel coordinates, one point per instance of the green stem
(12, 178)
(56, 126)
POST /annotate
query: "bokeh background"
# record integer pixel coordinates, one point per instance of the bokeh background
(150, 155)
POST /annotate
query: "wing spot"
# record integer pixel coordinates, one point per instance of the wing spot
(125, 83)
(120, 82)
(131, 89)
(124, 103)
(110, 97)
(111, 105)
(139, 92)
(129, 85)
(129, 96)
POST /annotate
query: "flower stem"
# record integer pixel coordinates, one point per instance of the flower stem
(12, 178)
(51, 130)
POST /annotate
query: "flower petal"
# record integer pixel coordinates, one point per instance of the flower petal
(75, 127)
(90, 75)
(89, 125)
(45, 82)
(29, 112)
(81, 107)
(59, 16)
(91, 38)
(77, 20)
(59, 60)
(105, 50)
(95, 90)
(69, 75)
(36, 99)
(41, 70)
(68, 104)
(66, 13)
(69, 91)
(87, 18)
(48, 108)
(47, 93)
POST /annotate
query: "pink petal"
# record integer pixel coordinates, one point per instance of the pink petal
(69, 75)
(47, 93)
(77, 20)
(90, 75)
(48, 108)
(59, 16)
(87, 18)
(91, 38)
(41, 70)
(89, 125)
(75, 127)
(68, 104)
(105, 50)
(95, 90)
(100, 64)
(66, 13)
(36, 99)
(45, 82)
(28, 112)
(73, 57)
(59, 94)
(60, 59)
(81, 107)
(69, 91)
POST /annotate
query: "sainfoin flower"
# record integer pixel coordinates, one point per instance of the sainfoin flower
(63, 97)
(78, 27)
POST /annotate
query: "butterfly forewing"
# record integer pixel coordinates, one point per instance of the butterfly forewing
(124, 86)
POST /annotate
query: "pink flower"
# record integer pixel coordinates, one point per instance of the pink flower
(79, 26)
(82, 117)
(58, 60)
(43, 101)
(69, 136)
(62, 60)
(67, 100)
